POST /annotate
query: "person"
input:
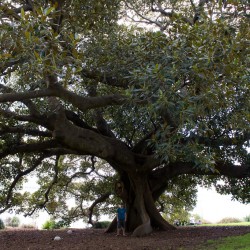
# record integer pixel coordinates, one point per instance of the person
(121, 219)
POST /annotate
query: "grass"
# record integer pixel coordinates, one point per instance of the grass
(229, 243)
(227, 224)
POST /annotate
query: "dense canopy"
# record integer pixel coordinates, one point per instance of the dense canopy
(132, 101)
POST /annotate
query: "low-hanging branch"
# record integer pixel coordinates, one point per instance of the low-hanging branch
(52, 183)
(24, 131)
(19, 176)
(29, 148)
(101, 199)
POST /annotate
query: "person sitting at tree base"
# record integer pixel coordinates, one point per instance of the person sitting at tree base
(121, 220)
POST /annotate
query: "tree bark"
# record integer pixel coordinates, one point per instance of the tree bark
(142, 213)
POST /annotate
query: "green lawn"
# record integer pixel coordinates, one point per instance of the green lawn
(227, 224)
(228, 243)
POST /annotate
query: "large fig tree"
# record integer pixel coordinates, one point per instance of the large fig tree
(141, 100)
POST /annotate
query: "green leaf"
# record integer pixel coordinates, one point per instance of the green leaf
(22, 13)
(48, 10)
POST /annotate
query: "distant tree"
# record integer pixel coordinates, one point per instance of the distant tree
(12, 221)
(179, 201)
(136, 101)
(247, 218)
(15, 222)
(229, 220)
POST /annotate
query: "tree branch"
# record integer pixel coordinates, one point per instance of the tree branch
(7, 64)
(19, 177)
(9, 91)
(54, 181)
(220, 168)
(102, 198)
(29, 148)
(73, 117)
(24, 130)
(159, 178)
(171, 14)
(105, 78)
(83, 103)
(17, 96)
(86, 103)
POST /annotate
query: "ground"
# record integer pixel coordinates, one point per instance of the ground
(81, 239)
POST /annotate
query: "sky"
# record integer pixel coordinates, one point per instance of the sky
(211, 206)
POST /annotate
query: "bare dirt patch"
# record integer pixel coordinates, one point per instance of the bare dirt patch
(182, 238)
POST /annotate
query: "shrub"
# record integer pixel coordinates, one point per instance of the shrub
(101, 224)
(15, 222)
(2, 226)
(49, 224)
(247, 218)
(229, 220)
(62, 224)
(12, 221)
(52, 224)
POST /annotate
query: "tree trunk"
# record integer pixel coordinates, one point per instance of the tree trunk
(142, 214)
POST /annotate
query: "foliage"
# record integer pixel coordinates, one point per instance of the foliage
(180, 201)
(153, 94)
(229, 220)
(62, 224)
(2, 226)
(247, 218)
(52, 224)
(12, 221)
(49, 224)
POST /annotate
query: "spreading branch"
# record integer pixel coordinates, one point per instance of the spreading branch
(101, 199)
(19, 176)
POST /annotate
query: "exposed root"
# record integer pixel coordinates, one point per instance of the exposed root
(143, 229)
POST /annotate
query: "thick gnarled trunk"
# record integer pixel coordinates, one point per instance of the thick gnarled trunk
(142, 214)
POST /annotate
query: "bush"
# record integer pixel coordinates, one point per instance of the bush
(12, 221)
(229, 220)
(101, 224)
(2, 226)
(52, 224)
(247, 218)
(62, 224)
(49, 224)
(15, 222)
